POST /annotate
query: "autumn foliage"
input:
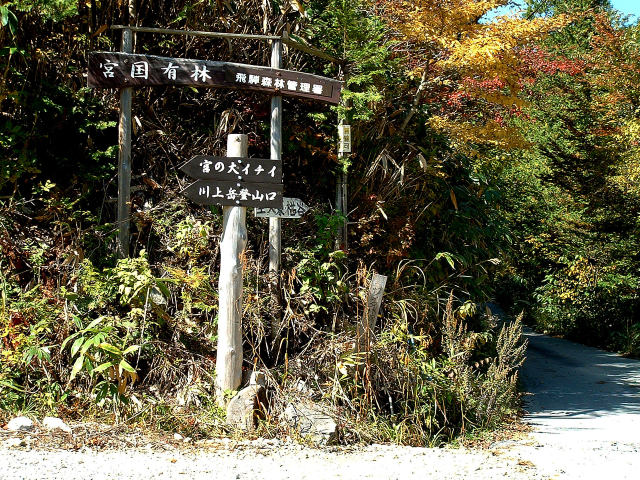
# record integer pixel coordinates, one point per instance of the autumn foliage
(476, 65)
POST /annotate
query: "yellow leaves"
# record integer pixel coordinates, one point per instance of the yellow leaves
(479, 64)
(489, 50)
(630, 130)
(437, 21)
(462, 134)
(454, 200)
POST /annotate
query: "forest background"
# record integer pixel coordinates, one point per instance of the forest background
(495, 158)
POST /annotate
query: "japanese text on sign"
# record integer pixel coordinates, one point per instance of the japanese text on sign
(117, 70)
(279, 83)
(344, 132)
(211, 192)
(231, 168)
(291, 208)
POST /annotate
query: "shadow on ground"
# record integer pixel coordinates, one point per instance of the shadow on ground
(573, 387)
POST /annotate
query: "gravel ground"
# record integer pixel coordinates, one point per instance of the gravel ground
(277, 461)
(583, 406)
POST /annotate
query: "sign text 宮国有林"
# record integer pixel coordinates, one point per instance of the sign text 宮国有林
(121, 70)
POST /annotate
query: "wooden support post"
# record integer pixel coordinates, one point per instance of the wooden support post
(374, 300)
(341, 203)
(275, 223)
(344, 206)
(232, 245)
(124, 157)
(342, 239)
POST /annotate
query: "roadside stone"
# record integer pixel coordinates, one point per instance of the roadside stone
(503, 444)
(54, 423)
(312, 422)
(247, 407)
(258, 378)
(14, 443)
(21, 424)
(156, 297)
(303, 388)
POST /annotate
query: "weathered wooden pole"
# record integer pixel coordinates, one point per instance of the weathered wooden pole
(275, 223)
(232, 245)
(124, 157)
(341, 189)
(344, 150)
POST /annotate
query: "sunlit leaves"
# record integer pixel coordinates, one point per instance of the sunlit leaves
(475, 66)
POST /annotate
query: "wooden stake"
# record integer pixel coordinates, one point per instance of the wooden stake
(275, 223)
(232, 245)
(374, 301)
(124, 157)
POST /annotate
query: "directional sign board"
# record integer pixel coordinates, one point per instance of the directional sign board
(258, 170)
(215, 192)
(119, 70)
(291, 208)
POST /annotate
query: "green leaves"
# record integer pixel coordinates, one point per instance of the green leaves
(572, 200)
(8, 19)
(96, 356)
(346, 30)
(450, 258)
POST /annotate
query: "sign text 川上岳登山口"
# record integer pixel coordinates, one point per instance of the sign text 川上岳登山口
(215, 192)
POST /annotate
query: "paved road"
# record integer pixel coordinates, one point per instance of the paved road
(584, 407)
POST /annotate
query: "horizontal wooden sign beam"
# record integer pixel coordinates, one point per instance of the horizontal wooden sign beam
(286, 39)
(255, 170)
(121, 70)
(214, 192)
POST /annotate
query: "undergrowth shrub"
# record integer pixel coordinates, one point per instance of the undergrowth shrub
(415, 388)
(85, 333)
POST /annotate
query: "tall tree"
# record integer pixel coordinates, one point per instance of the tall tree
(473, 63)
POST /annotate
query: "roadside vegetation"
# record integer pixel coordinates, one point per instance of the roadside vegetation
(491, 160)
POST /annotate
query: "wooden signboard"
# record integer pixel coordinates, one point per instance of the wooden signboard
(257, 170)
(291, 208)
(121, 70)
(344, 132)
(237, 194)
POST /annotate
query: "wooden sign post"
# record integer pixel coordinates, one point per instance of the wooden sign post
(229, 181)
(364, 329)
(232, 245)
(235, 181)
(117, 70)
(124, 158)
(275, 224)
(125, 70)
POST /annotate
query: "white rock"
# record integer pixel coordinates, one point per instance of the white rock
(21, 424)
(311, 421)
(156, 296)
(246, 407)
(54, 423)
(302, 387)
(177, 437)
(14, 443)
(258, 378)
